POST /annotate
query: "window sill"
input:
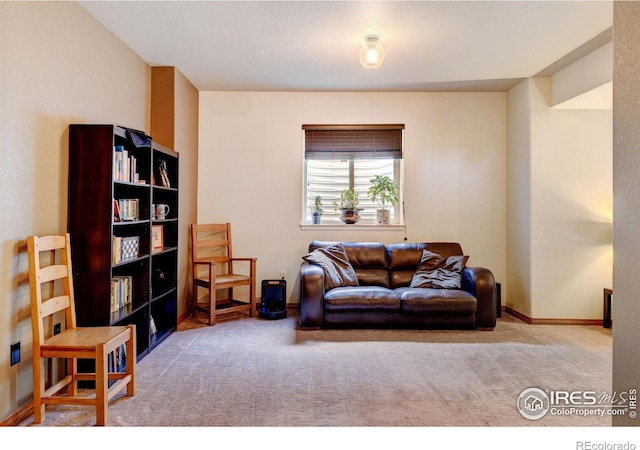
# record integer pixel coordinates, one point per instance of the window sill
(354, 227)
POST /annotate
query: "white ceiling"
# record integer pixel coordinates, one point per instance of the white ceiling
(313, 45)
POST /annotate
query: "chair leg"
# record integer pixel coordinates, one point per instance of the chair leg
(252, 288)
(38, 389)
(212, 295)
(72, 371)
(212, 305)
(131, 361)
(195, 297)
(102, 380)
(252, 300)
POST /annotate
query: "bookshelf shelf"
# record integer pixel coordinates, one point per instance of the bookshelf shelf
(125, 262)
(113, 171)
(129, 222)
(131, 184)
(122, 314)
(164, 294)
(164, 250)
(168, 189)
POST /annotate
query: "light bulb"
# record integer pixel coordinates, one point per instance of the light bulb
(371, 53)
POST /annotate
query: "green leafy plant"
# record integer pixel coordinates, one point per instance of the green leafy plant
(348, 200)
(383, 191)
(317, 207)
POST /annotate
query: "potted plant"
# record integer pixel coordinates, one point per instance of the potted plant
(316, 210)
(383, 191)
(348, 206)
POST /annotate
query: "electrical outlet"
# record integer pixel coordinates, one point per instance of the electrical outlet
(56, 329)
(283, 274)
(15, 353)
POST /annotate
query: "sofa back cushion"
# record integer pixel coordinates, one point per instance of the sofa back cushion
(368, 259)
(338, 272)
(404, 258)
(437, 271)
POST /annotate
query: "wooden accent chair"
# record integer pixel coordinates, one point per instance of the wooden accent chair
(214, 269)
(56, 301)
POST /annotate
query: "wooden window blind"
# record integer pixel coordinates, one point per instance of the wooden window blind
(353, 141)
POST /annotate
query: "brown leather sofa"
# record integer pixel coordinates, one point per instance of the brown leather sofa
(383, 298)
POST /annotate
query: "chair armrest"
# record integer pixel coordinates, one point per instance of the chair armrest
(211, 265)
(251, 261)
(211, 270)
(311, 295)
(252, 266)
(204, 263)
(480, 283)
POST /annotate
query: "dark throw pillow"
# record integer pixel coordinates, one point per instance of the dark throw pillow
(335, 263)
(437, 271)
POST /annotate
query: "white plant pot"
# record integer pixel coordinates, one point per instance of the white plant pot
(382, 216)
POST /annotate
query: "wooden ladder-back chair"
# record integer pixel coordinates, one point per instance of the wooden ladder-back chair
(214, 269)
(102, 344)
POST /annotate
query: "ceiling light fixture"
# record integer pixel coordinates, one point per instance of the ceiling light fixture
(371, 53)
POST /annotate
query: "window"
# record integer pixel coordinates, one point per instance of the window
(339, 157)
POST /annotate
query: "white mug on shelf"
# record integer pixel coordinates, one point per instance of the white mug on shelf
(162, 211)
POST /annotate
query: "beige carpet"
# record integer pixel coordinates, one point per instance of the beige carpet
(252, 372)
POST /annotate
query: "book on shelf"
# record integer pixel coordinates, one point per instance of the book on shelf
(125, 248)
(116, 210)
(126, 209)
(121, 292)
(125, 166)
(164, 174)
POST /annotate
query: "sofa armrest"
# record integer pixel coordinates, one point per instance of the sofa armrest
(311, 295)
(480, 283)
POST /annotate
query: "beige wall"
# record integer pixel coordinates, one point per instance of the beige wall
(186, 140)
(571, 208)
(626, 167)
(174, 124)
(587, 74)
(66, 68)
(58, 66)
(560, 206)
(251, 164)
(518, 296)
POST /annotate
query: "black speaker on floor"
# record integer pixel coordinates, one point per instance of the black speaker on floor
(274, 300)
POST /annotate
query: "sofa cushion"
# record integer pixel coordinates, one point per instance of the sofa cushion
(436, 301)
(337, 269)
(368, 259)
(404, 258)
(361, 298)
(437, 271)
(407, 255)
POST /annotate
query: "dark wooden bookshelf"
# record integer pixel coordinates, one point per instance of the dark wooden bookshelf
(95, 184)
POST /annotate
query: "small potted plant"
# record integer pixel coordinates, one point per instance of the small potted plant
(348, 206)
(316, 210)
(384, 191)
